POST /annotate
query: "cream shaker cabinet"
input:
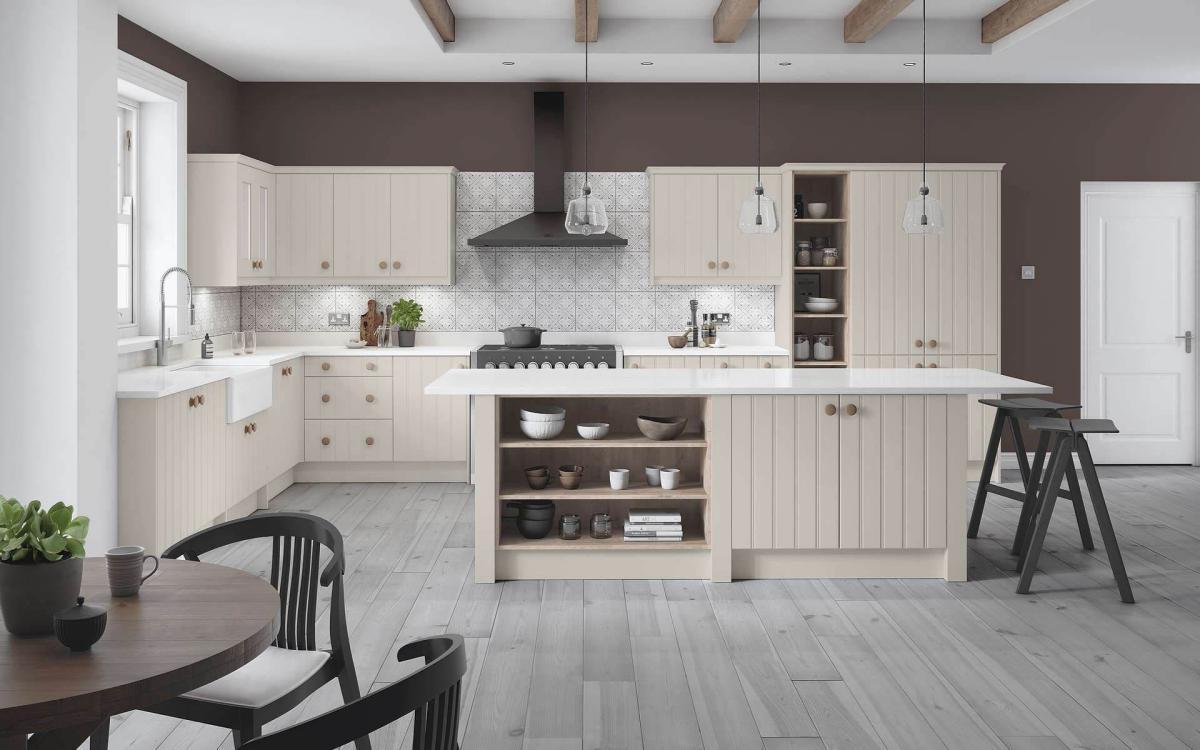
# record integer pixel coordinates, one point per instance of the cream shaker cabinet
(422, 228)
(705, 362)
(694, 237)
(304, 225)
(362, 224)
(428, 428)
(231, 219)
(846, 472)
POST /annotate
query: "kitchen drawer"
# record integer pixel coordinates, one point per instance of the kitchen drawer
(371, 367)
(348, 440)
(348, 398)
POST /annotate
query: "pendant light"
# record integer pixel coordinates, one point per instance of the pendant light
(923, 214)
(586, 214)
(758, 211)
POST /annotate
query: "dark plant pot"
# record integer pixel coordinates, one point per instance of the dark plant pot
(406, 338)
(31, 594)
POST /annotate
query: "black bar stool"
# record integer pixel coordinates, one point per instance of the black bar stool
(1069, 438)
(1012, 411)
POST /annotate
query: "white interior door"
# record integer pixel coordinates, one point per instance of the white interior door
(1139, 301)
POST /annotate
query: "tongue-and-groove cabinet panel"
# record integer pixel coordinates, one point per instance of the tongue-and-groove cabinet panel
(362, 225)
(304, 225)
(428, 428)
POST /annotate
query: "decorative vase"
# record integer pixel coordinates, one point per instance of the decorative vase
(406, 338)
(32, 593)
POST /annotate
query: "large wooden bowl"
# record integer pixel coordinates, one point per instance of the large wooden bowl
(662, 428)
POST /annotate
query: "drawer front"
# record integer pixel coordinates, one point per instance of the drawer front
(367, 367)
(347, 398)
(348, 440)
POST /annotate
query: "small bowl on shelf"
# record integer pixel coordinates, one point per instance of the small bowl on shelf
(818, 210)
(538, 481)
(570, 477)
(677, 342)
(815, 306)
(535, 529)
(537, 471)
(542, 430)
(544, 414)
(662, 428)
(592, 430)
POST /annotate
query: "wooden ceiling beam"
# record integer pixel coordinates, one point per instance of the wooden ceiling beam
(731, 18)
(589, 25)
(1013, 15)
(441, 17)
(869, 18)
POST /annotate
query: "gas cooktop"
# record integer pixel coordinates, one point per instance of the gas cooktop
(547, 357)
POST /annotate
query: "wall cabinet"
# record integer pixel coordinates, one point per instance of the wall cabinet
(361, 225)
(693, 228)
(422, 227)
(304, 225)
(848, 472)
(231, 219)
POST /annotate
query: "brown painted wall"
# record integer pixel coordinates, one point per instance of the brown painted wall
(212, 95)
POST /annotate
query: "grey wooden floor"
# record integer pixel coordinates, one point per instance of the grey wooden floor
(778, 664)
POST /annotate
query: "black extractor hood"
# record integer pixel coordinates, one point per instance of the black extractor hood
(546, 226)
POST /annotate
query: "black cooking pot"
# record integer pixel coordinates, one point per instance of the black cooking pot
(522, 336)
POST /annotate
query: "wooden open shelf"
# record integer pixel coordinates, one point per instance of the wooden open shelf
(510, 538)
(601, 491)
(613, 440)
(818, 268)
(819, 221)
(819, 363)
(819, 315)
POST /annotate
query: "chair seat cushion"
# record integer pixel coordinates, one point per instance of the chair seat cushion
(272, 674)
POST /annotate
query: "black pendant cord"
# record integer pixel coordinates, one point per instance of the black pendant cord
(586, 96)
(924, 118)
(758, 188)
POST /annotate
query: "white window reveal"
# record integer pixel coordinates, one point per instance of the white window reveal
(127, 248)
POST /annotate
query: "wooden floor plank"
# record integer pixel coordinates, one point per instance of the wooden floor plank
(556, 696)
(794, 640)
(610, 716)
(840, 721)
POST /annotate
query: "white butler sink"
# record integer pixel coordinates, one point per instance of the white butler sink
(248, 389)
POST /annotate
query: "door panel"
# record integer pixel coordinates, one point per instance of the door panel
(683, 225)
(304, 225)
(747, 255)
(428, 428)
(422, 225)
(361, 225)
(1139, 296)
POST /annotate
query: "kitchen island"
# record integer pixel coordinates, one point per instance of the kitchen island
(857, 473)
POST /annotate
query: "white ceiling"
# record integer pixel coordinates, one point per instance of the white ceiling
(1084, 41)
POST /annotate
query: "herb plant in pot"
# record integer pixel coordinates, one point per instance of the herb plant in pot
(406, 316)
(41, 563)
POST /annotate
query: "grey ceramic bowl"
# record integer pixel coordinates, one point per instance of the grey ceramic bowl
(662, 428)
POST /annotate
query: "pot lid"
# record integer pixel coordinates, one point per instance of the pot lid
(80, 612)
(522, 327)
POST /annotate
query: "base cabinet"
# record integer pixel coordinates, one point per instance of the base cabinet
(693, 362)
(433, 428)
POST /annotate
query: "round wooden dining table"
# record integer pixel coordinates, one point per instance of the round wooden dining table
(192, 623)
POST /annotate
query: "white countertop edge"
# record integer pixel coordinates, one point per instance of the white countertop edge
(725, 351)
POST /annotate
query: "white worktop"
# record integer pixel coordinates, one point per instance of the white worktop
(724, 351)
(672, 382)
(156, 382)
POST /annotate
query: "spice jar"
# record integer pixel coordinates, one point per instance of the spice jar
(803, 253)
(569, 526)
(830, 257)
(601, 526)
(823, 347)
(819, 244)
(802, 347)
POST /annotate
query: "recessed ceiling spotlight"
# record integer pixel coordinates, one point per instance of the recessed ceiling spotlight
(785, 63)
(507, 62)
(647, 62)
(910, 65)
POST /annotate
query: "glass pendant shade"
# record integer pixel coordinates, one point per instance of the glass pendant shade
(758, 215)
(586, 214)
(924, 215)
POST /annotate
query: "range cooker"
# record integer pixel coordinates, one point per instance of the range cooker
(547, 357)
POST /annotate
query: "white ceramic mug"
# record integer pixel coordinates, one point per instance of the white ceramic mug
(618, 479)
(652, 475)
(669, 478)
(125, 567)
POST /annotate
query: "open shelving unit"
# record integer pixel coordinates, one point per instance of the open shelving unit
(831, 187)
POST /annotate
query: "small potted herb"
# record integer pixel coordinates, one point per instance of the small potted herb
(406, 316)
(41, 563)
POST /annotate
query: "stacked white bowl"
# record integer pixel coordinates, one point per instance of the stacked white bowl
(543, 422)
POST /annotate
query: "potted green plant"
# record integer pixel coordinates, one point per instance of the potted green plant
(406, 316)
(41, 563)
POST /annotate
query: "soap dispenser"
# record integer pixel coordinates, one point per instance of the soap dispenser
(206, 347)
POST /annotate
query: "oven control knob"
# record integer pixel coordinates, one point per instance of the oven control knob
(560, 365)
(505, 366)
(573, 366)
(547, 365)
(518, 365)
(489, 366)
(589, 365)
(603, 365)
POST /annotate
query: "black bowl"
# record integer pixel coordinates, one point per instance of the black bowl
(534, 529)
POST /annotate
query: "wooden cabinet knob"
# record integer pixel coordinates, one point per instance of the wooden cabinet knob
(932, 343)
(200, 399)
(324, 265)
(324, 441)
(370, 441)
(830, 410)
(324, 365)
(851, 410)
(324, 398)
(370, 398)
(725, 264)
(254, 426)
(395, 264)
(246, 430)
(918, 365)
(724, 365)
(712, 264)
(766, 364)
(919, 343)
(635, 365)
(933, 364)
(461, 366)
(382, 264)
(192, 402)
(370, 365)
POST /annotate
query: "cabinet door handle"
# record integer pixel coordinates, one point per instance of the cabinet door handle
(712, 264)
(635, 365)
(395, 264)
(370, 365)
(370, 398)
(324, 365)
(382, 264)
(830, 410)
(851, 410)
(324, 441)
(461, 366)
(918, 365)
(200, 399)
(192, 402)
(932, 343)
(254, 426)
(324, 265)
(919, 343)
(324, 398)
(370, 441)
(246, 430)
(725, 264)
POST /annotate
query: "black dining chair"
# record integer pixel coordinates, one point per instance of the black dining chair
(431, 694)
(292, 667)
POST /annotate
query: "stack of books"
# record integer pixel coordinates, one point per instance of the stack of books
(653, 526)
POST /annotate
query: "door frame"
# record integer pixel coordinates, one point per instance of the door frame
(1087, 188)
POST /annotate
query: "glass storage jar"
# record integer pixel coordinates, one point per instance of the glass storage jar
(569, 526)
(601, 526)
(831, 257)
(823, 347)
(802, 347)
(803, 253)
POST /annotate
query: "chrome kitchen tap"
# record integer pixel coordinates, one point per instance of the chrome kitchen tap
(163, 342)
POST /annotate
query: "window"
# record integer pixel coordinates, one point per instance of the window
(127, 154)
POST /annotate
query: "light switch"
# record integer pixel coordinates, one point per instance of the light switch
(1028, 272)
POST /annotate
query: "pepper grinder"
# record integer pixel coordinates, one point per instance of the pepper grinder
(695, 329)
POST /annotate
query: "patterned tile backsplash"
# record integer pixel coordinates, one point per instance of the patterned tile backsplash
(560, 289)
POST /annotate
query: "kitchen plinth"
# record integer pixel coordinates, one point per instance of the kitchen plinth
(783, 473)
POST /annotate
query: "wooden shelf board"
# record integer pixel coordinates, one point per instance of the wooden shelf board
(819, 268)
(819, 221)
(598, 491)
(511, 539)
(819, 315)
(819, 363)
(613, 440)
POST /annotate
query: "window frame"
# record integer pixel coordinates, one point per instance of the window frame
(128, 153)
